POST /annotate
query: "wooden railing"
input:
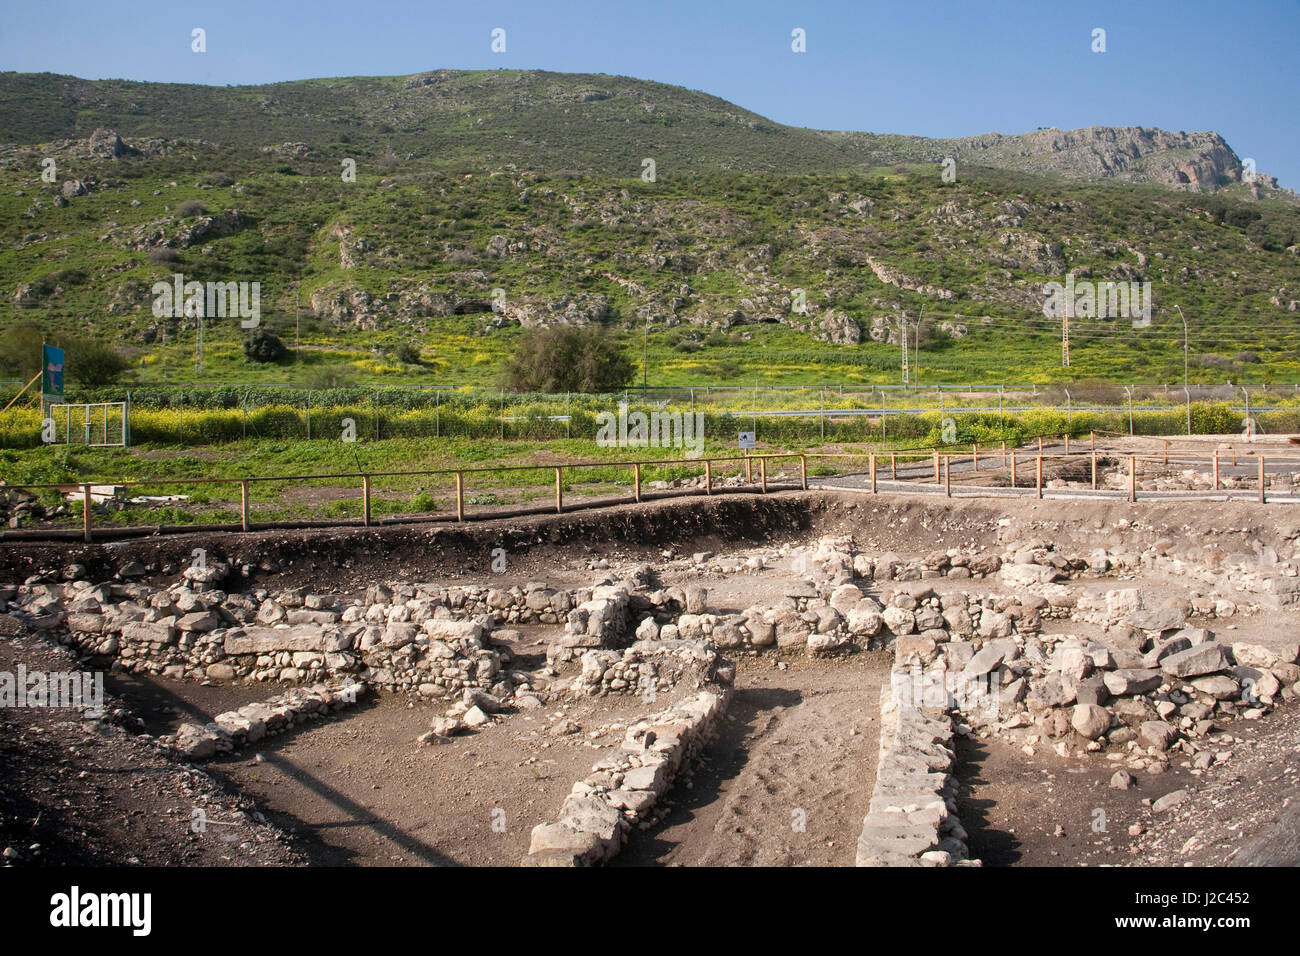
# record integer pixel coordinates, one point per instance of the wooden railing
(942, 461)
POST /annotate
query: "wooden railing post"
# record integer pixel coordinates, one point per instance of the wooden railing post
(1004, 454)
(803, 471)
(1094, 469)
(893, 465)
(559, 492)
(1040, 444)
(365, 501)
(460, 496)
(85, 512)
(1166, 452)
(1216, 469)
(243, 503)
(1038, 481)
(975, 455)
(1132, 478)
(937, 478)
(762, 473)
(1013, 468)
(749, 470)
(947, 476)
(1261, 479)
(1092, 440)
(708, 476)
(871, 466)
(1067, 443)
(636, 481)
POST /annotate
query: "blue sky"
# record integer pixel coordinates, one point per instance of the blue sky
(933, 68)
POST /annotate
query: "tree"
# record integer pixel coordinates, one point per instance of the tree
(91, 363)
(568, 359)
(263, 346)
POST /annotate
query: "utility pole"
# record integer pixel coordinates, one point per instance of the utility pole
(1184, 318)
(902, 322)
(917, 363)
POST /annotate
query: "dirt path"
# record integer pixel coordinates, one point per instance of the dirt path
(788, 781)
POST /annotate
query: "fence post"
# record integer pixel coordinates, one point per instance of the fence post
(1040, 444)
(893, 465)
(1216, 469)
(460, 496)
(365, 500)
(975, 454)
(1094, 469)
(1004, 453)
(1165, 461)
(1067, 443)
(1038, 481)
(936, 466)
(1132, 478)
(1261, 479)
(636, 481)
(85, 512)
(1092, 440)
(947, 476)
(559, 492)
(1013, 468)
(762, 473)
(708, 476)
(803, 471)
(749, 470)
(872, 468)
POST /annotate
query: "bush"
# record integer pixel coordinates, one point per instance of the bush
(408, 353)
(568, 359)
(190, 207)
(263, 346)
(163, 256)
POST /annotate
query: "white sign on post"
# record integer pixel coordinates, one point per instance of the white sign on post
(747, 441)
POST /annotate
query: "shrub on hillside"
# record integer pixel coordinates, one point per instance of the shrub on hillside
(568, 359)
(263, 346)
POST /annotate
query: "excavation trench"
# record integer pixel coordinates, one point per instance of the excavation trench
(789, 774)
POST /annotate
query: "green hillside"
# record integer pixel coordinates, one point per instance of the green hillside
(531, 183)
